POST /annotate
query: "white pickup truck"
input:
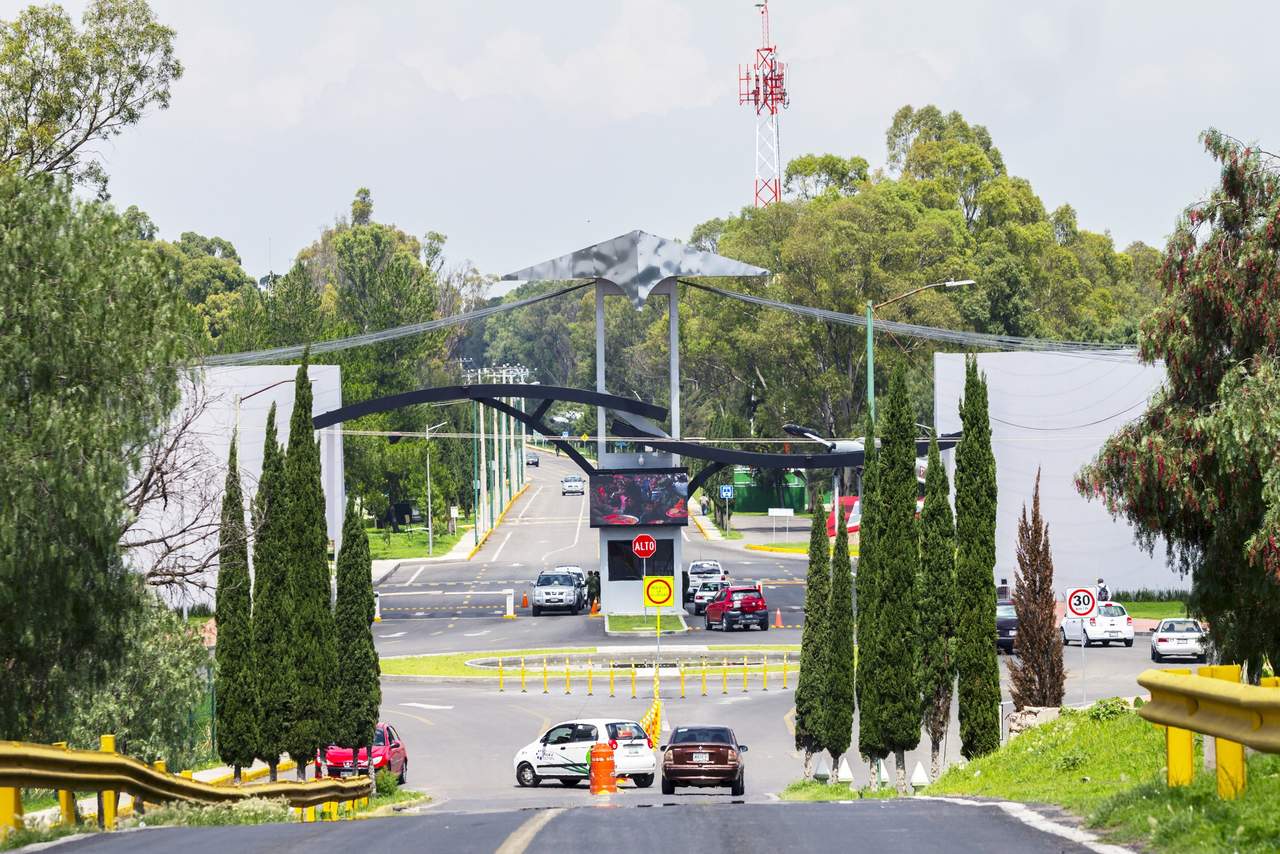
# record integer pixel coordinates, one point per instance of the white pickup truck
(1108, 622)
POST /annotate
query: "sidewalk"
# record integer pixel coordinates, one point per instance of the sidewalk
(709, 530)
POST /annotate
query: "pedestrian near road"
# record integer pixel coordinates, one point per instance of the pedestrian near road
(593, 587)
(1104, 593)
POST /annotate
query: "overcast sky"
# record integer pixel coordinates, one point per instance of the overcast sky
(523, 130)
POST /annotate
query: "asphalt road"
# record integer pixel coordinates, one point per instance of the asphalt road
(862, 826)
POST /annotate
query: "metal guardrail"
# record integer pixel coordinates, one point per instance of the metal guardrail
(37, 766)
(1213, 703)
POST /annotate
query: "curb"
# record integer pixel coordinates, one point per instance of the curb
(497, 522)
(756, 547)
(697, 520)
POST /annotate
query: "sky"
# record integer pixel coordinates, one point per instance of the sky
(526, 130)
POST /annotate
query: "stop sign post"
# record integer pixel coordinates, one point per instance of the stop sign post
(1080, 603)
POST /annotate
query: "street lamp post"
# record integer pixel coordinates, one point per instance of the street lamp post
(871, 353)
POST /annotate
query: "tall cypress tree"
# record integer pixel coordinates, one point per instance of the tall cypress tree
(839, 668)
(1037, 676)
(898, 692)
(977, 670)
(936, 596)
(870, 730)
(814, 639)
(272, 606)
(315, 651)
(359, 693)
(236, 685)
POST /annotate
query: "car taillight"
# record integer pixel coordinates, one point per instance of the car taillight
(649, 741)
(733, 756)
(1093, 621)
(1129, 620)
(613, 744)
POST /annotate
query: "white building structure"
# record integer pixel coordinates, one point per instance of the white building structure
(1053, 411)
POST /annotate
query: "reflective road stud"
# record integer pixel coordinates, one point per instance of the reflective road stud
(1230, 754)
(1180, 749)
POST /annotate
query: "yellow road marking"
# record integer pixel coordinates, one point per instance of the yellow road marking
(418, 718)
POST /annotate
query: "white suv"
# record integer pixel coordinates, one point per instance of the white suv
(1109, 622)
(573, 485)
(564, 752)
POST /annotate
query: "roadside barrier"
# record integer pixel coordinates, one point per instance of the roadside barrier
(38, 766)
(603, 781)
(1213, 703)
(754, 675)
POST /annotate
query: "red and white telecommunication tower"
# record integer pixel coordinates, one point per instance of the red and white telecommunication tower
(763, 85)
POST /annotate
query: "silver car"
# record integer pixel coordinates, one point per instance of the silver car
(555, 591)
(573, 485)
(1178, 638)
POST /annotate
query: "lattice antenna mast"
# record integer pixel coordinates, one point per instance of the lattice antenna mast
(763, 85)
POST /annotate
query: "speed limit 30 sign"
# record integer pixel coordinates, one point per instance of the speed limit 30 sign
(1081, 601)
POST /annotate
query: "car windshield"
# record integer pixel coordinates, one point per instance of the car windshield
(1112, 611)
(623, 730)
(379, 737)
(702, 735)
(573, 478)
(1181, 626)
(1006, 611)
(555, 581)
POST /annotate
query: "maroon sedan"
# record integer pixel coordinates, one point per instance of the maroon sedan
(703, 756)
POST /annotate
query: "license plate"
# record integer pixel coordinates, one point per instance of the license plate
(1114, 634)
(1182, 640)
(702, 757)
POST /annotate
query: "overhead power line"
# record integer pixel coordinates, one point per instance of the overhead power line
(276, 354)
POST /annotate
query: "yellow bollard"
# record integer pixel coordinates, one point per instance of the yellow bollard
(704, 677)
(745, 672)
(107, 744)
(1230, 754)
(522, 675)
(611, 670)
(500, 688)
(67, 798)
(10, 810)
(186, 773)
(589, 676)
(784, 671)
(566, 675)
(1179, 749)
(544, 675)
(299, 812)
(724, 677)
(682, 680)
(309, 815)
(633, 682)
(764, 673)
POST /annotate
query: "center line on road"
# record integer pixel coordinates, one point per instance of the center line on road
(522, 837)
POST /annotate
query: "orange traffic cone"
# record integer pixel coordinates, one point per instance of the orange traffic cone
(777, 618)
(595, 608)
(524, 600)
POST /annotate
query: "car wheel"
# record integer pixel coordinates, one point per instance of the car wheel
(1064, 636)
(642, 781)
(1155, 656)
(1106, 643)
(404, 772)
(526, 777)
(739, 785)
(668, 788)
(569, 782)
(537, 612)
(1129, 642)
(764, 626)
(577, 611)
(706, 622)
(1084, 638)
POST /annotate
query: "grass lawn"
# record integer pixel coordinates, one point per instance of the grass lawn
(814, 790)
(411, 544)
(643, 625)
(758, 647)
(455, 663)
(1154, 610)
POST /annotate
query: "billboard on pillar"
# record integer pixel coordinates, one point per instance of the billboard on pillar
(640, 497)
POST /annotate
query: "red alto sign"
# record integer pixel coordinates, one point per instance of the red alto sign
(644, 546)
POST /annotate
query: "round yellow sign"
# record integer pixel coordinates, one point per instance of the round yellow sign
(659, 591)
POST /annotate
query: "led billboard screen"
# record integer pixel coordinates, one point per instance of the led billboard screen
(640, 497)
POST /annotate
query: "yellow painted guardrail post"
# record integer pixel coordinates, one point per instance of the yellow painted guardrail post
(107, 815)
(67, 798)
(1179, 749)
(10, 810)
(784, 670)
(1229, 754)
(523, 690)
(611, 673)
(544, 675)
(566, 675)
(500, 685)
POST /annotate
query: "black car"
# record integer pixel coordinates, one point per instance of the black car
(1006, 626)
(531, 460)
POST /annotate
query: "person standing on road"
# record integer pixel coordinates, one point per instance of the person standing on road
(1104, 593)
(593, 587)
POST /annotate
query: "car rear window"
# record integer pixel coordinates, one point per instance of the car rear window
(739, 595)
(623, 730)
(702, 735)
(1006, 611)
(1181, 626)
(1112, 611)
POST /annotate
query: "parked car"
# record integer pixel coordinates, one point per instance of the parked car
(703, 756)
(579, 578)
(532, 460)
(1006, 627)
(737, 608)
(388, 753)
(703, 570)
(557, 591)
(564, 752)
(1109, 622)
(1178, 638)
(573, 485)
(705, 592)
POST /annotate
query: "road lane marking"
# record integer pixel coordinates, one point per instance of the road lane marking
(522, 837)
(498, 553)
(394, 635)
(415, 576)
(577, 532)
(477, 634)
(529, 503)
(413, 593)
(427, 706)
(418, 718)
(1031, 818)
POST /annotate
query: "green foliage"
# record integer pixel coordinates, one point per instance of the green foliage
(1036, 676)
(977, 669)
(359, 692)
(149, 700)
(314, 646)
(815, 637)
(936, 598)
(246, 811)
(386, 783)
(897, 562)
(236, 680)
(273, 604)
(871, 738)
(1198, 468)
(85, 338)
(839, 665)
(64, 93)
(1108, 708)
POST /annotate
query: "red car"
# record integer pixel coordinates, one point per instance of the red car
(388, 753)
(737, 607)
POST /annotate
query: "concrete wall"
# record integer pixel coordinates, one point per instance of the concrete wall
(1053, 412)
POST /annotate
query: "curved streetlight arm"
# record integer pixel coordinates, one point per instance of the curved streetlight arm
(947, 284)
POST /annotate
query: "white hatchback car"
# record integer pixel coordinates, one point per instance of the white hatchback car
(1109, 622)
(705, 592)
(1177, 638)
(564, 752)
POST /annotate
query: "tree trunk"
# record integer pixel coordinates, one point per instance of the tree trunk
(875, 777)
(369, 756)
(302, 772)
(271, 770)
(934, 760)
(235, 773)
(808, 765)
(900, 759)
(834, 779)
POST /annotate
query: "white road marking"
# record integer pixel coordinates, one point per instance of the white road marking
(529, 504)
(414, 593)
(577, 532)
(522, 837)
(428, 707)
(1031, 818)
(415, 576)
(478, 634)
(394, 635)
(498, 553)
